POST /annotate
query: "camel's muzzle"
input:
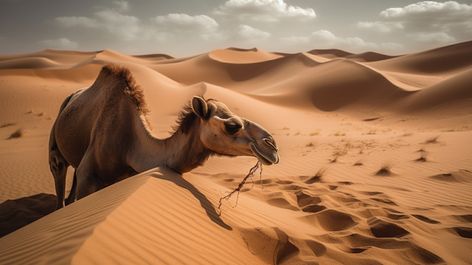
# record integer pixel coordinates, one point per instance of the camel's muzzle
(266, 151)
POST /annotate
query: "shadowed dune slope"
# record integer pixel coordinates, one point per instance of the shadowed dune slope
(29, 62)
(326, 91)
(454, 89)
(331, 53)
(441, 60)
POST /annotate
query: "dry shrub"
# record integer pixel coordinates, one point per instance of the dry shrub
(16, 134)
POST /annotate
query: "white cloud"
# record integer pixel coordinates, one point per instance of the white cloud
(295, 40)
(121, 5)
(264, 10)
(77, 21)
(247, 32)
(61, 43)
(327, 39)
(187, 22)
(449, 8)
(123, 26)
(383, 27)
(436, 37)
(427, 21)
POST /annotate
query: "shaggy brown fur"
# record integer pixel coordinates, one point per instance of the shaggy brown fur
(185, 120)
(131, 89)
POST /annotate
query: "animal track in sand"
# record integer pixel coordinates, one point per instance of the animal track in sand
(404, 247)
(466, 218)
(284, 182)
(314, 208)
(381, 228)
(384, 200)
(332, 220)
(281, 203)
(425, 219)
(465, 232)
(318, 248)
(304, 199)
(272, 245)
(291, 187)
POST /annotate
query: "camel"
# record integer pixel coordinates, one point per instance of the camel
(103, 133)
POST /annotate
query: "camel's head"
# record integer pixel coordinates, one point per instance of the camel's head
(225, 133)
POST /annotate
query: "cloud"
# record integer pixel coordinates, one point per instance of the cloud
(247, 32)
(121, 5)
(73, 21)
(124, 27)
(185, 22)
(436, 37)
(428, 8)
(264, 10)
(295, 40)
(61, 43)
(438, 22)
(109, 20)
(378, 26)
(326, 39)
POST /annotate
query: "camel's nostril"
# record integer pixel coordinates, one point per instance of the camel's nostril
(270, 143)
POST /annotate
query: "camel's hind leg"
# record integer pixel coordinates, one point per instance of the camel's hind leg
(73, 191)
(58, 166)
(57, 162)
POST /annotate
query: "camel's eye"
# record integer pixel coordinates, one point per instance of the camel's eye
(232, 128)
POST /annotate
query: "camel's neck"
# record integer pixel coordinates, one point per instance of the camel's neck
(181, 152)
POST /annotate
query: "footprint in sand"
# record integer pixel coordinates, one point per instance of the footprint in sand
(284, 182)
(314, 208)
(425, 219)
(331, 220)
(304, 199)
(466, 218)
(270, 244)
(291, 187)
(465, 232)
(381, 228)
(279, 199)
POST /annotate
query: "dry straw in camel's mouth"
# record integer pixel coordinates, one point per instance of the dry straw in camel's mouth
(250, 174)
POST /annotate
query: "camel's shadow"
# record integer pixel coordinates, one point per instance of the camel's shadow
(14, 214)
(206, 204)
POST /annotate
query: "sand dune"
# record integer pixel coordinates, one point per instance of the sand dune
(30, 62)
(375, 161)
(437, 61)
(330, 53)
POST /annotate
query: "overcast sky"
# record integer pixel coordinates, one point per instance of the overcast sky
(186, 27)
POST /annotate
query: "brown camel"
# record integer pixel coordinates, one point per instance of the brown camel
(102, 132)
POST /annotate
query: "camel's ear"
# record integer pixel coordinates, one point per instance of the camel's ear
(200, 107)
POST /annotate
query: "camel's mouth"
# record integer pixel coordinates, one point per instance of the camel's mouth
(267, 158)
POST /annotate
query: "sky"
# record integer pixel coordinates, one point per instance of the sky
(187, 27)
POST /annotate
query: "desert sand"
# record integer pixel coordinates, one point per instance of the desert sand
(376, 162)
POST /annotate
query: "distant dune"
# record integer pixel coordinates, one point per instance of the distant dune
(375, 161)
